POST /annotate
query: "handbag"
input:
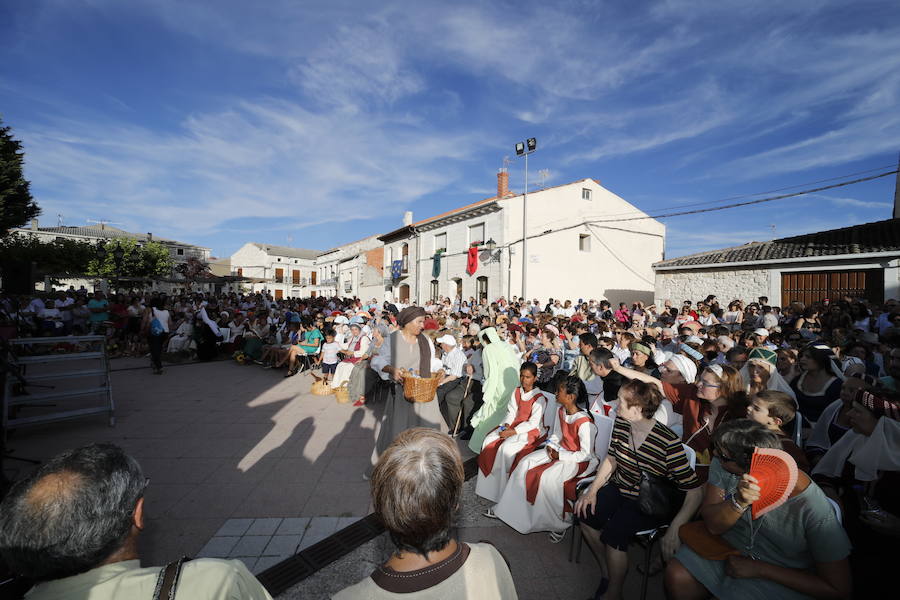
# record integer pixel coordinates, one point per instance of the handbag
(658, 497)
(156, 328)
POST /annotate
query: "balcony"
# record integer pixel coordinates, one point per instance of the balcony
(331, 281)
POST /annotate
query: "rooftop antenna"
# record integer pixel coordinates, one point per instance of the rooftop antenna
(506, 161)
(290, 239)
(772, 226)
(103, 223)
(59, 220)
(544, 174)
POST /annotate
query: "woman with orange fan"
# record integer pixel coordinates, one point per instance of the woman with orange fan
(786, 541)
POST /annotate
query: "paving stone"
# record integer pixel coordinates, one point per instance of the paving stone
(282, 545)
(265, 562)
(293, 526)
(236, 527)
(319, 529)
(250, 545)
(218, 547)
(264, 527)
(249, 561)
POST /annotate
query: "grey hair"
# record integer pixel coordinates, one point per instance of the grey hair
(740, 437)
(71, 514)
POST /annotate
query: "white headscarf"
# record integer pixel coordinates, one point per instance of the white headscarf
(685, 366)
(776, 381)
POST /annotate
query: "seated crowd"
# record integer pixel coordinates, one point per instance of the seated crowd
(574, 407)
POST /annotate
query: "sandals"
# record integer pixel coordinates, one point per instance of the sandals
(489, 513)
(291, 372)
(557, 536)
(360, 402)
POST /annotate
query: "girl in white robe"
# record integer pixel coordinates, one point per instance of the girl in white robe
(541, 491)
(521, 431)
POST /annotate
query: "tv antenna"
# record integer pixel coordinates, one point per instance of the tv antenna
(59, 220)
(544, 174)
(772, 226)
(290, 239)
(506, 161)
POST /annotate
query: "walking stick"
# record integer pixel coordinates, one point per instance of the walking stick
(459, 414)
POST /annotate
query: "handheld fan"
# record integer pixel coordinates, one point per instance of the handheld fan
(776, 472)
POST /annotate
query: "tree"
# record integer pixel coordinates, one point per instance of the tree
(17, 206)
(149, 260)
(194, 269)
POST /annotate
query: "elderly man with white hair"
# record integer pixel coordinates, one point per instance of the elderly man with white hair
(455, 407)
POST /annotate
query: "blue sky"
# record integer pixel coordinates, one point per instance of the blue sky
(313, 124)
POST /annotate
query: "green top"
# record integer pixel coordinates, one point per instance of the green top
(313, 339)
(799, 533)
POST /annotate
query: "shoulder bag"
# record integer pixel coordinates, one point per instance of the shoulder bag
(658, 497)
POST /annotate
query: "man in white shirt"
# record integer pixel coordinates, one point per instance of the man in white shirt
(455, 408)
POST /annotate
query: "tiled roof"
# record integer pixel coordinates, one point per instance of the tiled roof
(472, 205)
(107, 232)
(288, 252)
(881, 236)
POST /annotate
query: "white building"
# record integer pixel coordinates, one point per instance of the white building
(281, 271)
(352, 270)
(574, 250)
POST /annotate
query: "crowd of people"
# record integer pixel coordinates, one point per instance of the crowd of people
(573, 406)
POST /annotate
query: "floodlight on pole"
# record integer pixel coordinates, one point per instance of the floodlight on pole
(524, 149)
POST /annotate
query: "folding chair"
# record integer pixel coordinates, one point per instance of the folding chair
(646, 538)
(306, 360)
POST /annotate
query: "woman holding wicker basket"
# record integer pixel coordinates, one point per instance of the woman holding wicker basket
(405, 356)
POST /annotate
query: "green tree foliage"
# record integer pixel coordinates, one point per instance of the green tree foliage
(17, 206)
(66, 257)
(148, 260)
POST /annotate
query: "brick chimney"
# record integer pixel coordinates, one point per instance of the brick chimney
(502, 183)
(34, 224)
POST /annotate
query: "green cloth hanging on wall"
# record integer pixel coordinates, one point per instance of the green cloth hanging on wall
(436, 265)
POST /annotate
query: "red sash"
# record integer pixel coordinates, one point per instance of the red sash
(569, 442)
(523, 412)
(355, 359)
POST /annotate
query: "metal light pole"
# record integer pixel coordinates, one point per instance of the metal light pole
(525, 148)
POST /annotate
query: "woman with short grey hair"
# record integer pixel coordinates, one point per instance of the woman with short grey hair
(416, 488)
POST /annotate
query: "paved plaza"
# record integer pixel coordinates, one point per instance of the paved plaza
(244, 463)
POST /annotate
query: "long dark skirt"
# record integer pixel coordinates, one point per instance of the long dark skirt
(206, 346)
(400, 414)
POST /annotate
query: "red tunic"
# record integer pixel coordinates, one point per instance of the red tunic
(570, 442)
(523, 412)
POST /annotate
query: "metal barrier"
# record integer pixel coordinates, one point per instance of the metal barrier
(17, 376)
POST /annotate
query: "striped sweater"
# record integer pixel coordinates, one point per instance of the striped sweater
(661, 454)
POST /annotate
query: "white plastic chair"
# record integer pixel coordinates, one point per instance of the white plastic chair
(836, 507)
(551, 410)
(798, 429)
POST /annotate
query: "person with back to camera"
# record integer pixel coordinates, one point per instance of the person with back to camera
(416, 488)
(73, 527)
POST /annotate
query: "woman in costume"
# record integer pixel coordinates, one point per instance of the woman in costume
(520, 433)
(355, 348)
(406, 351)
(541, 489)
(501, 377)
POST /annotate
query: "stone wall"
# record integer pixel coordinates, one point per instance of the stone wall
(727, 284)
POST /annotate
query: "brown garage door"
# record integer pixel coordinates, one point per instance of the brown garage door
(815, 286)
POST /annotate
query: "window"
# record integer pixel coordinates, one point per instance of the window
(279, 259)
(585, 193)
(296, 276)
(481, 288)
(240, 272)
(405, 252)
(476, 234)
(180, 252)
(312, 277)
(440, 242)
(435, 290)
(584, 242)
(279, 275)
(295, 261)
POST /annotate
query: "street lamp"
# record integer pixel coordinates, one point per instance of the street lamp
(524, 149)
(118, 254)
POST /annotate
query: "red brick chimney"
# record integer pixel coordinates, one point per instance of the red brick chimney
(502, 183)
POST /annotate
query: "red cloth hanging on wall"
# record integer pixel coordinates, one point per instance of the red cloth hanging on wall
(472, 261)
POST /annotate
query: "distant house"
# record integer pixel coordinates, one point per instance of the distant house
(569, 257)
(352, 270)
(862, 261)
(282, 271)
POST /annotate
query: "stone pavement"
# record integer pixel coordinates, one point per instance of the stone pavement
(246, 464)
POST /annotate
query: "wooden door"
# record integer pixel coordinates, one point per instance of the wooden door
(810, 287)
(279, 294)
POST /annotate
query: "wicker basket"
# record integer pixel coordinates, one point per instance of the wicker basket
(320, 387)
(419, 389)
(342, 394)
